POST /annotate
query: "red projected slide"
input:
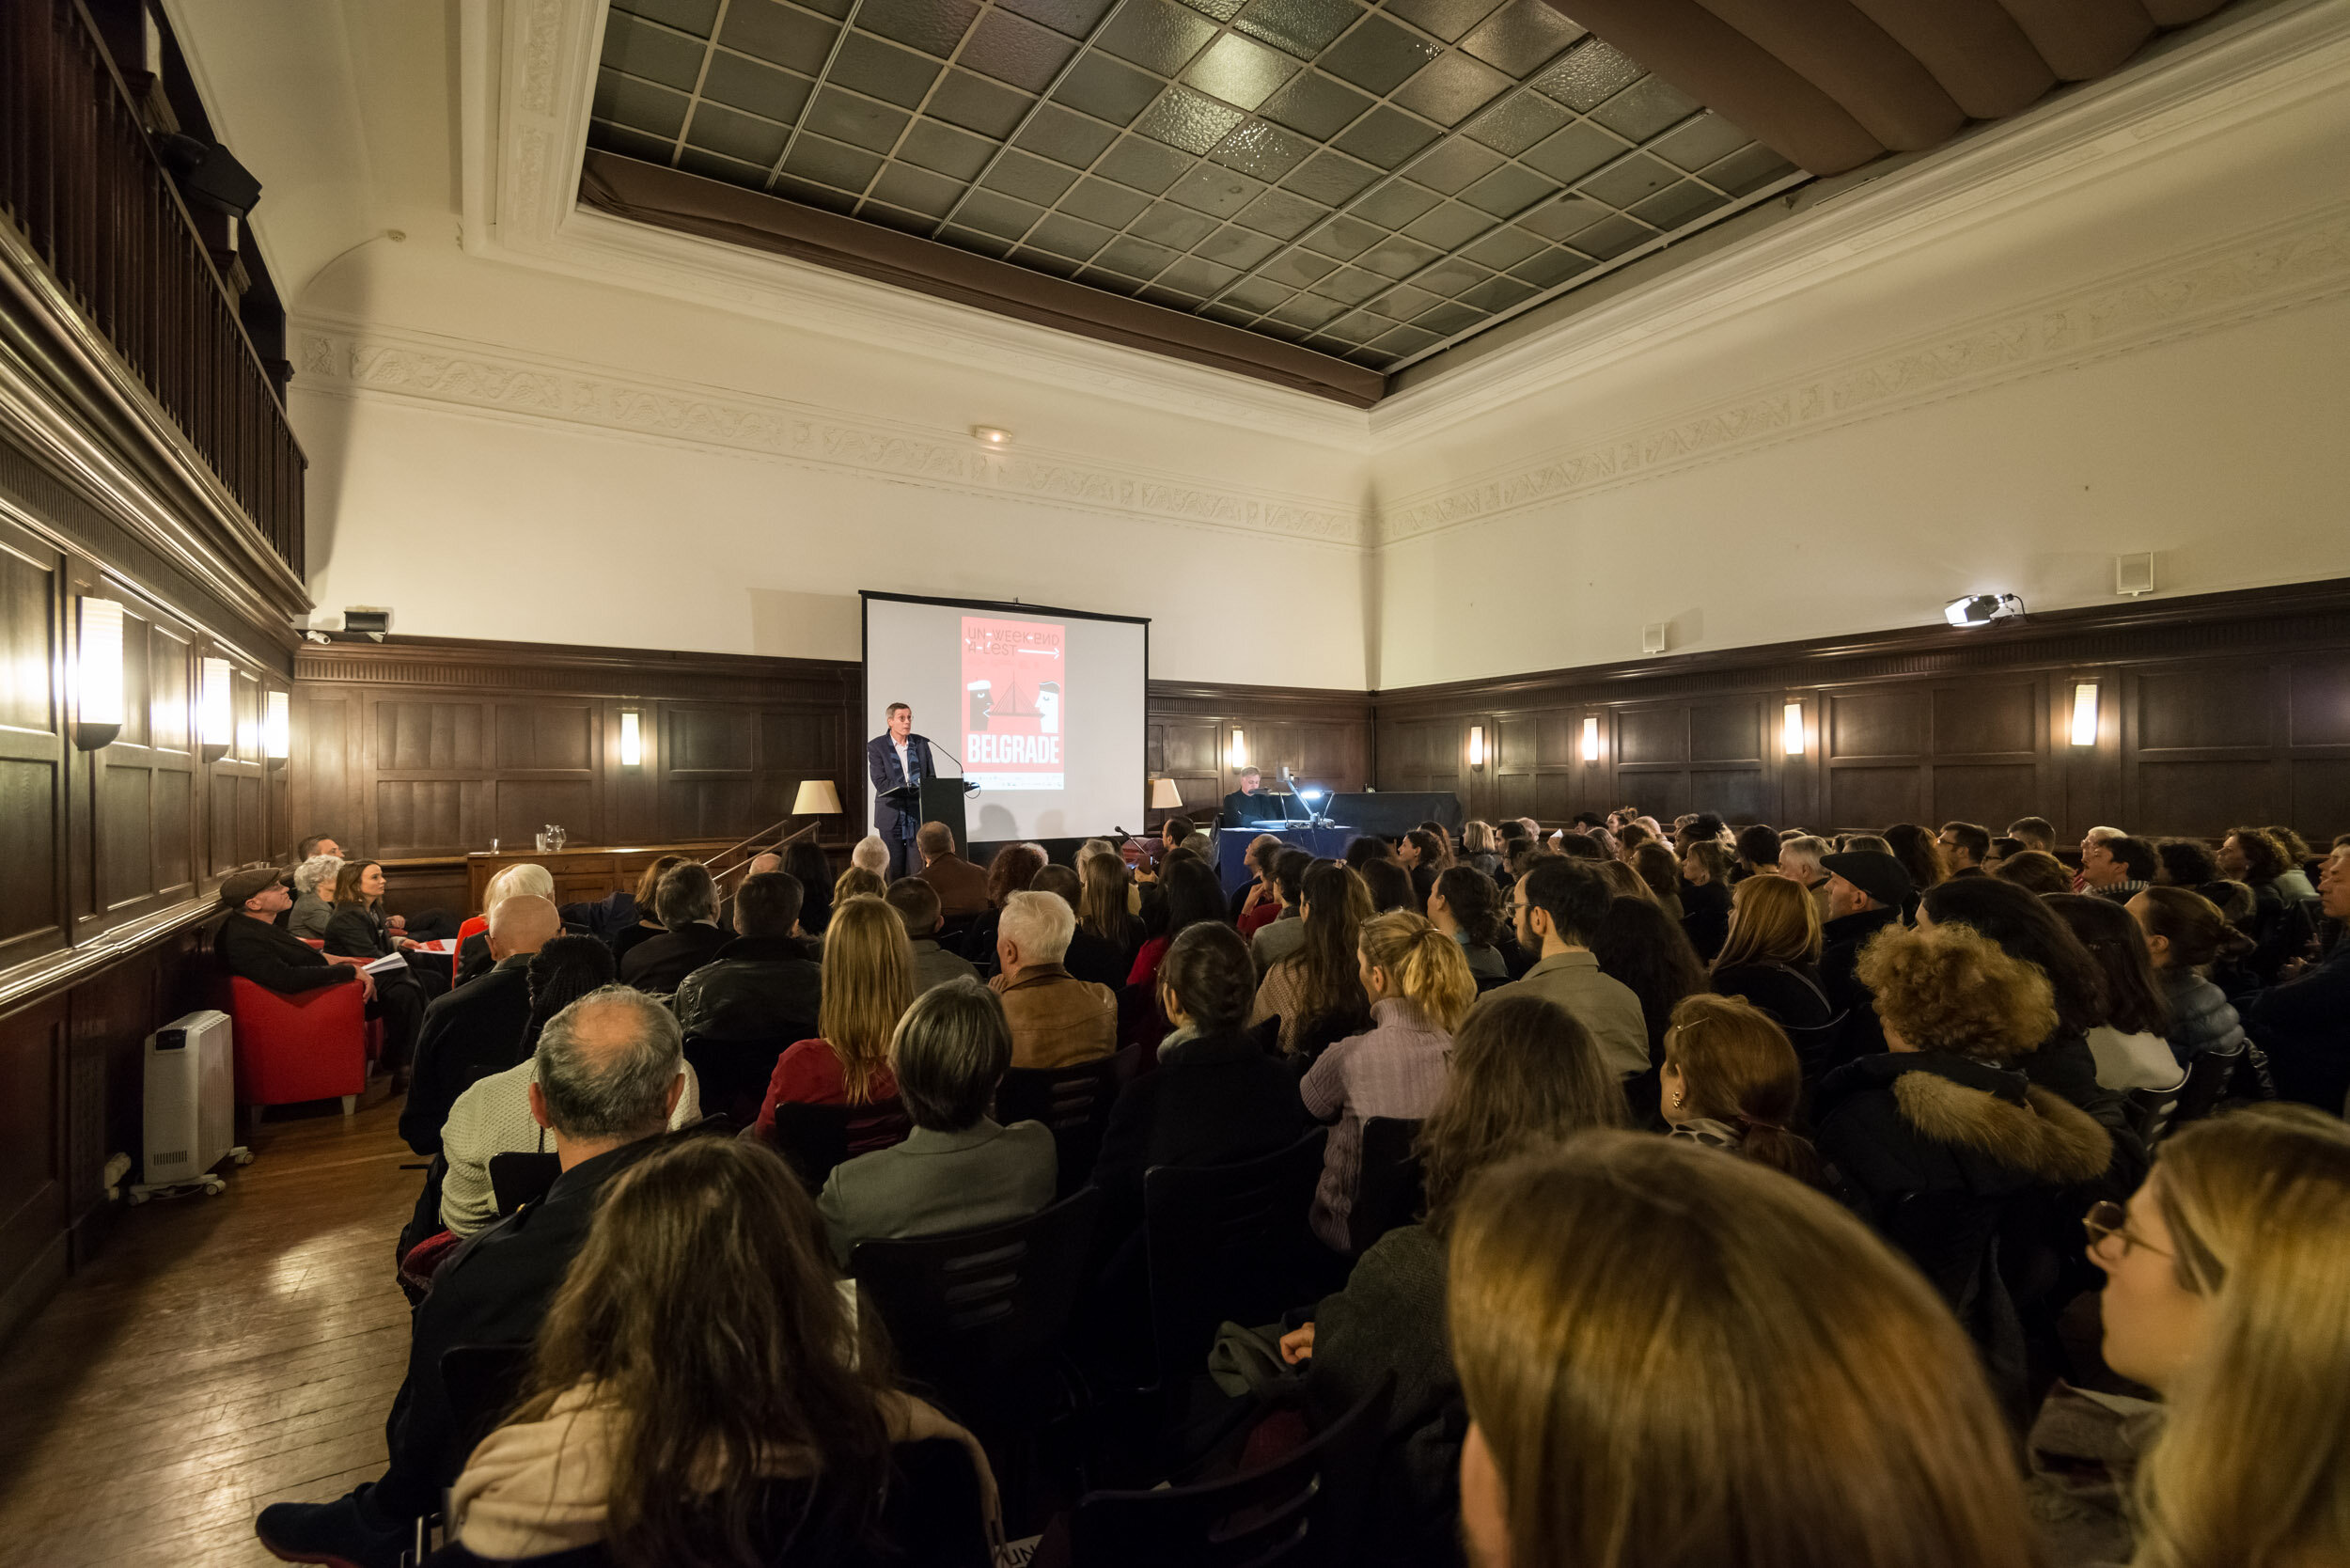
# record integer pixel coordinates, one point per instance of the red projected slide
(1012, 683)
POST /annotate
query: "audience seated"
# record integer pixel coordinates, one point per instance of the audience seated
(1659, 1348)
(1280, 934)
(1964, 846)
(314, 897)
(871, 854)
(961, 887)
(1920, 853)
(1477, 847)
(1556, 908)
(2035, 872)
(1215, 1098)
(1940, 1134)
(1466, 906)
(1757, 849)
(761, 985)
(1188, 895)
(2037, 833)
(687, 903)
(610, 1070)
(2281, 923)
(1866, 890)
(689, 1399)
(868, 982)
(2184, 863)
(2224, 1280)
(2302, 1020)
(2123, 867)
(251, 944)
(1317, 993)
(2131, 1046)
(647, 922)
(494, 1117)
(2185, 934)
(1524, 1076)
(477, 1029)
(1705, 868)
(1009, 871)
(1056, 1020)
(858, 883)
(1731, 1081)
(1389, 885)
(1771, 956)
(957, 1169)
(1640, 947)
(472, 947)
(1660, 867)
(357, 929)
(1257, 892)
(805, 862)
(1419, 989)
(917, 904)
(1102, 948)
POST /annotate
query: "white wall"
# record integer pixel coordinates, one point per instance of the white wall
(499, 452)
(2157, 359)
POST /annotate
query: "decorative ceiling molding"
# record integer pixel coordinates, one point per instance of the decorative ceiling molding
(341, 357)
(527, 80)
(2200, 88)
(2292, 264)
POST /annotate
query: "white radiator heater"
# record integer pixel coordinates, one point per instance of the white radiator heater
(191, 1106)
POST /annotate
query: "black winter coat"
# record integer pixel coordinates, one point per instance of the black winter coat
(756, 988)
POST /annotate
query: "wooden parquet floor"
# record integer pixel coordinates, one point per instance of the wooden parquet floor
(220, 1355)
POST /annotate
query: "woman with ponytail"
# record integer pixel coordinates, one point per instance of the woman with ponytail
(1732, 1080)
(1466, 906)
(1420, 989)
(2185, 934)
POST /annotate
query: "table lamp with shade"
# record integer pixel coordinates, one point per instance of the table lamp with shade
(1164, 796)
(817, 798)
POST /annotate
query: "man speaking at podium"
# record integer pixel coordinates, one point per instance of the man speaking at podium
(896, 758)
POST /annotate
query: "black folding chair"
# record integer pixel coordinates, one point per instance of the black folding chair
(733, 1075)
(2154, 1110)
(1073, 1101)
(813, 1140)
(517, 1179)
(1388, 1185)
(979, 1315)
(1305, 1510)
(2207, 1078)
(1227, 1242)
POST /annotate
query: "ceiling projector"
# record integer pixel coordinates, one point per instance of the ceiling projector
(1981, 609)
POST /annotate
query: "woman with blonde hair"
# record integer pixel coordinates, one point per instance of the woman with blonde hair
(1732, 1080)
(1420, 989)
(1771, 955)
(1658, 1347)
(858, 883)
(702, 1393)
(1941, 1135)
(1480, 846)
(868, 985)
(1525, 1075)
(2225, 1280)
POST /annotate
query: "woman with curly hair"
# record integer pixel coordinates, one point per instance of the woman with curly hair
(1944, 1132)
(2279, 923)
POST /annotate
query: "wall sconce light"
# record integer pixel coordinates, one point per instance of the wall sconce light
(276, 729)
(216, 712)
(631, 739)
(1590, 738)
(98, 689)
(1793, 725)
(1477, 745)
(2085, 713)
(1240, 751)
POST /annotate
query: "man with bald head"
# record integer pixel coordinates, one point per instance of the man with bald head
(477, 1029)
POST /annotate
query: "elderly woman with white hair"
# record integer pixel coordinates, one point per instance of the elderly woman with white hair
(312, 907)
(518, 881)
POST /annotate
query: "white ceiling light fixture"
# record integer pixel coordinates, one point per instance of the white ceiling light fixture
(988, 436)
(1981, 609)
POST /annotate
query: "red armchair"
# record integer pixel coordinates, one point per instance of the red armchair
(304, 1045)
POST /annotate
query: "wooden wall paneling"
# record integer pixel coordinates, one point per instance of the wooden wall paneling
(35, 887)
(33, 1253)
(2204, 745)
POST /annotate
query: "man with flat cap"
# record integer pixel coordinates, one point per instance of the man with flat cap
(1867, 890)
(252, 946)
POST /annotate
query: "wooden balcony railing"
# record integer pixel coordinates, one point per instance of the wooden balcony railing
(82, 182)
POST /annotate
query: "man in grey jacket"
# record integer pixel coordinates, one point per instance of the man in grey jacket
(957, 1169)
(1555, 906)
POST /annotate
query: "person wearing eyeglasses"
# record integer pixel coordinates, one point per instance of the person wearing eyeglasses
(2225, 1278)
